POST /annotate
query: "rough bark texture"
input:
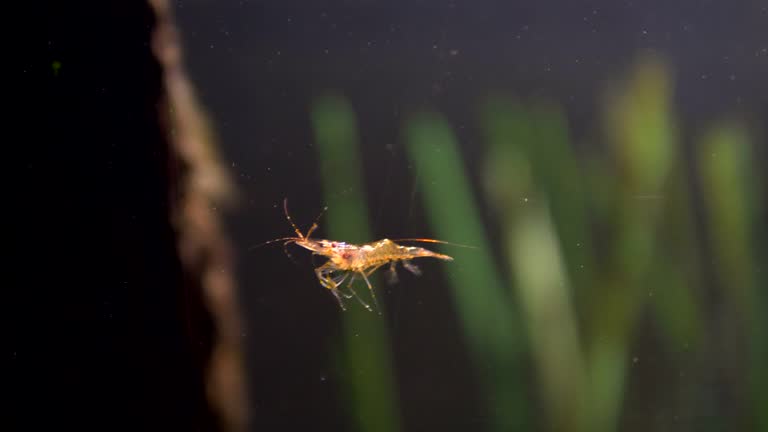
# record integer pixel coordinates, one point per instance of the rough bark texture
(121, 309)
(203, 246)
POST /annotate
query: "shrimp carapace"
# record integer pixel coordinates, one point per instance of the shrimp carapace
(347, 261)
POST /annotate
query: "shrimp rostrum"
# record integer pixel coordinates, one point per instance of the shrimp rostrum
(347, 262)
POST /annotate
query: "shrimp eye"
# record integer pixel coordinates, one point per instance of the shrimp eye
(333, 244)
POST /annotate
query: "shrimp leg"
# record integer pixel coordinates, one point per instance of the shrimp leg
(411, 267)
(370, 288)
(371, 270)
(354, 294)
(392, 273)
(323, 276)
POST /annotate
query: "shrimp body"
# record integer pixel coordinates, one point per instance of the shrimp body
(349, 261)
(357, 258)
(346, 260)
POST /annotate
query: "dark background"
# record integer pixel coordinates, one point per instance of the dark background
(98, 337)
(259, 65)
(102, 335)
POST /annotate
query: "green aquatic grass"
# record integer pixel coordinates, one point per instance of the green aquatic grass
(529, 147)
(544, 291)
(596, 248)
(481, 298)
(730, 183)
(369, 379)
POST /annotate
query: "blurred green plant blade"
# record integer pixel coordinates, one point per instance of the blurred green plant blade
(508, 175)
(551, 323)
(581, 300)
(724, 164)
(641, 126)
(555, 164)
(530, 168)
(491, 328)
(643, 135)
(728, 181)
(368, 367)
(676, 275)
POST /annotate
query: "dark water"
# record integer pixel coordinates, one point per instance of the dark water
(260, 66)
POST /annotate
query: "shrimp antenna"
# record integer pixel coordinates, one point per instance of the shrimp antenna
(295, 228)
(317, 219)
(288, 216)
(286, 239)
(428, 240)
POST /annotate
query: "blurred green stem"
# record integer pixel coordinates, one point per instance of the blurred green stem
(481, 299)
(729, 181)
(369, 377)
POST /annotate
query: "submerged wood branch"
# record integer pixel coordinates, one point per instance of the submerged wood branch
(204, 186)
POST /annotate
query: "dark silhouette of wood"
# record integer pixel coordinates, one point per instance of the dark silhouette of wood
(115, 316)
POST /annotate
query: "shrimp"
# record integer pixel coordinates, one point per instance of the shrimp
(350, 261)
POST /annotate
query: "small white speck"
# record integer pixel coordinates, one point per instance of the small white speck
(635, 359)
(525, 199)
